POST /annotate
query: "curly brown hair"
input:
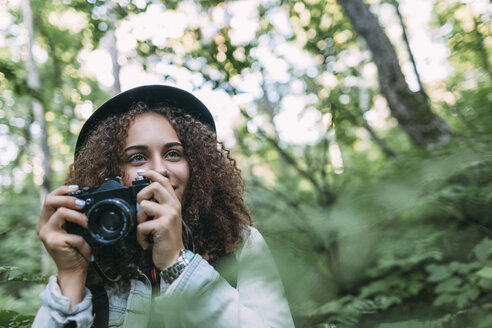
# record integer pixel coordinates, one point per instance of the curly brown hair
(214, 208)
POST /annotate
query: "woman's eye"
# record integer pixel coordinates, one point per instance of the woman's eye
(173, 154)
(137, 158)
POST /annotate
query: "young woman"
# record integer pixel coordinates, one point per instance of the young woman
(190, 222)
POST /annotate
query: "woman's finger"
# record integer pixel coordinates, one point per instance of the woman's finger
(79, 243)
(57, 199)
(158, 193)
(159, 229)
(160, 189)
(157, 177)
(70, 252)
(62, 215)
(167, 240)
(148, 209)
(143, 232)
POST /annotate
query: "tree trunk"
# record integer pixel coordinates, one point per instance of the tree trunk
(112, 47)
(411, 109)
(113, 50)
(34, 82)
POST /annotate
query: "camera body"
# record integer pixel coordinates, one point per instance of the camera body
(111, 210)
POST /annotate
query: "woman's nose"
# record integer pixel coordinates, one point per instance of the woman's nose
(160, 167)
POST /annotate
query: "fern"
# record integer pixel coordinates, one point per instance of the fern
(11, 273)
(12, 319)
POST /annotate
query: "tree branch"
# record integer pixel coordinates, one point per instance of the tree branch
(327, 198)
(410, 53)
(411, 109)
(380, 142)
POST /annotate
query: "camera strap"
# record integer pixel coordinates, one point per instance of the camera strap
(100, 306)
(187, 237)
(100, 302)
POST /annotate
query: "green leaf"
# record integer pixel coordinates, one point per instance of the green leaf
(444, 298)
(483, 250)
(403, 324)
(464, 268)
(13, 319)
(484, 283)
(438, 272)
(12, 273)
(473, 293)
(485, 272)
(450, 285)
(470, 294)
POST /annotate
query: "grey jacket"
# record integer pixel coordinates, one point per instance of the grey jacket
(199, 297)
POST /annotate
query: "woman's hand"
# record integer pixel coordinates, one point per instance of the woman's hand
(159, 201)
(70, 252)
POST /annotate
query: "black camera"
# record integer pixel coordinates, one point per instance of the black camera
(111, 210)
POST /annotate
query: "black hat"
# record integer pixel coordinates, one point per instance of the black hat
(151, 95)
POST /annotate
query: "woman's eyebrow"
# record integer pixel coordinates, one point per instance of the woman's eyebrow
(145, 147)
(173, 144)
(139, 147)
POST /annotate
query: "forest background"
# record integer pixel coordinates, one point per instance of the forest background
(362, 128)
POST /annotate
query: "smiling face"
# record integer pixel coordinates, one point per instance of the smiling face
(152, 144)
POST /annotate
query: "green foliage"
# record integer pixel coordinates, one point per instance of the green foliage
(399, 246)
(17, 274)
(12, 319)
(20, 259)
(390, 236)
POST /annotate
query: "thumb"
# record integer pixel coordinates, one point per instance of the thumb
(79, 243)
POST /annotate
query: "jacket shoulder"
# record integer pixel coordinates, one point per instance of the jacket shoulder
(253, 242)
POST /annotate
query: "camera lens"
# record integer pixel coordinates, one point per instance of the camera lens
(110, 220)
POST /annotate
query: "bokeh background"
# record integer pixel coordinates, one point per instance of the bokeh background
(362, 127)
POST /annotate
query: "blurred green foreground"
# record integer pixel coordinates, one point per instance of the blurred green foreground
(371, 224)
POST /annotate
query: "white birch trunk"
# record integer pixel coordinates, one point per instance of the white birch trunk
(40, 150)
